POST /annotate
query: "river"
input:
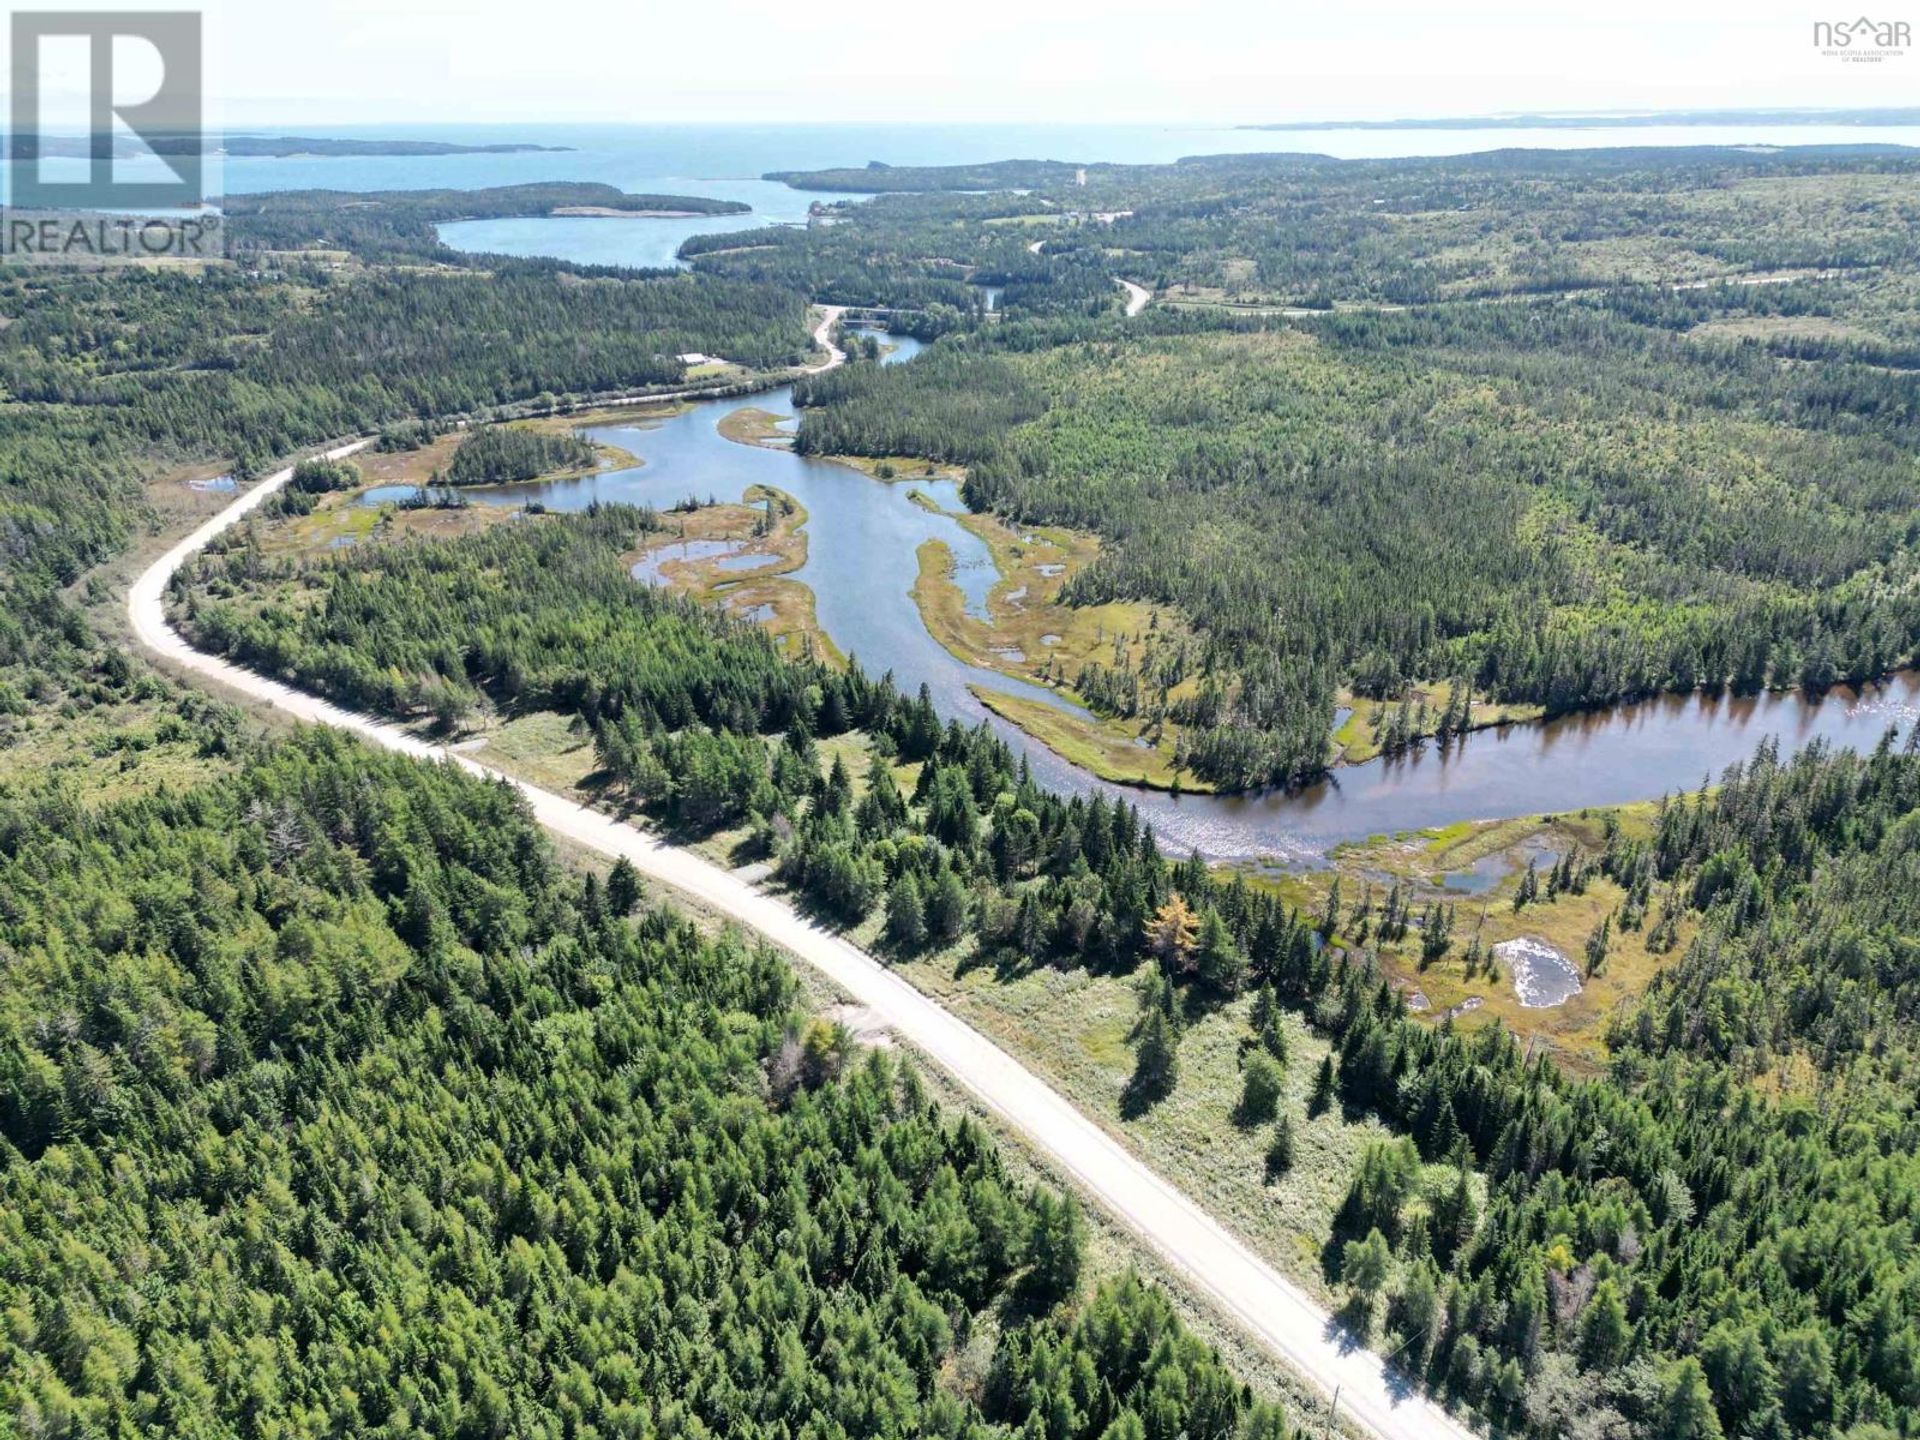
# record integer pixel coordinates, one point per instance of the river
(863, 535)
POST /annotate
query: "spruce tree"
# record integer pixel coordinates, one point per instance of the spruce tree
(1280, 1148)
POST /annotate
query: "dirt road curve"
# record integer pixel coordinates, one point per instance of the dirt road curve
(1137, 296)
(1219, 1267)
(823, 337)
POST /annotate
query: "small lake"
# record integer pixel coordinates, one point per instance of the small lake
(863, 535)
(642, 242)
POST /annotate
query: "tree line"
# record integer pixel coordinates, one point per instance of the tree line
(1657, 1242)
(331, 1103)
(494, 454)
(1557, 503)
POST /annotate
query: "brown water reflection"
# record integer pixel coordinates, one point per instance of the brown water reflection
(1632, 752)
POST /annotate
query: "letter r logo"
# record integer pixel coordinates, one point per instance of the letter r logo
(165, 114)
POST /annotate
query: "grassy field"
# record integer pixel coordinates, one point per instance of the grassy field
(1107, 748)
(101, 744)
(552, 750)
(339, 520)
(750, 425)
(1028, 633)
(99, 752)
(1075, 1029)
(766, 523)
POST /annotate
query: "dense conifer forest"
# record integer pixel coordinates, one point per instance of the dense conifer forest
(1660, 1241)
(1551, 479)
(498, 453)
(331, 1102)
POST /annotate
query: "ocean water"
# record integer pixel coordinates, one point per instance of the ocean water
(727, 161)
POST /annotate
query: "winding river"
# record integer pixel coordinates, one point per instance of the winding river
(861, 565)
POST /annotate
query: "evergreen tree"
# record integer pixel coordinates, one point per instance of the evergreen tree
(1218, 961)
(1261, 1084)
(947, 908)
(1529, 889)
(1604, 1331)
(1322, 1094)
(1156, 1069)
(1597, 942)
(1280, 1148)
(623, 887)
(1685, 1405)
(1364, 1267)
(906, 916)
(1055, 1249)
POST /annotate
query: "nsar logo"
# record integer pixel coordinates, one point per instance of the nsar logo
(1863, 41)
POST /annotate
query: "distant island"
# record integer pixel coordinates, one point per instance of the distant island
(80, 147)
(1904, 115)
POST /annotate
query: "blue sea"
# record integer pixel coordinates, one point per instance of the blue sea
(727, 161)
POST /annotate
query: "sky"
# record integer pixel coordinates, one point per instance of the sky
(1195, 62)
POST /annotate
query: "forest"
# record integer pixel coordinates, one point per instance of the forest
(930, 258)
(1659, 1241)
(1312, 231)
(497, 453)
(877, 176)
(1589, 491)
(112, 375)
(330, 1103)
(1560, 508)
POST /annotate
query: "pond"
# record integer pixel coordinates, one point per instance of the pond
(726, 555)
(1489, 870)
(1542, 976)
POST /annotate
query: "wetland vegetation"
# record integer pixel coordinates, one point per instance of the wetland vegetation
(1551, 481)
(1678, 1204)
(339, 1060)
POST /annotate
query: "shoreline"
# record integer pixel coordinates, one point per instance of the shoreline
(1223, 1270)
(613, 212)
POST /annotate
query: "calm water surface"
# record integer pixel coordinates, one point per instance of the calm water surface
(727, 161)
(863, 534)
(861, 563)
